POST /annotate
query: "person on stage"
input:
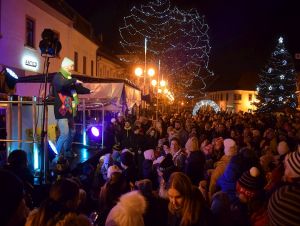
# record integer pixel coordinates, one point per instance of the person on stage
(66, 90)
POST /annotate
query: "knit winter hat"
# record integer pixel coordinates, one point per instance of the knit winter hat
(230, 148)
(149, 154)
(128, 211)
(284, 206)
(67, 62)
(126, 158)
(11, 195)
(282, 148)
(112, 169)
(251, 183)
(293, 162)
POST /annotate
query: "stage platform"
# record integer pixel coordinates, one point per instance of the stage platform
(85, 156)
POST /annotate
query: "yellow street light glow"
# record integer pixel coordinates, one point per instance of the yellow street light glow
(162, 83)
(159, 90)
(151, 72)
(166, 91)
(153, 82)
(138, 71)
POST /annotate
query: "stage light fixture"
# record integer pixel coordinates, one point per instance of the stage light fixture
(9, 79)
(93, 133)
(49, 45)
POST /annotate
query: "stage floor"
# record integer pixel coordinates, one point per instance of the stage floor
(84, 155)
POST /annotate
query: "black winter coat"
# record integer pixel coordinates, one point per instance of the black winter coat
(194, 167)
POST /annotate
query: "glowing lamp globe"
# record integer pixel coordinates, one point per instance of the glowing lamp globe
(138, 71)
(151, 72)
(162, 83)
(154, 82)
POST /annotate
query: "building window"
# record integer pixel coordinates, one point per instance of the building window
(75, 61)
(237, 96)
(250, 97)
(30, 32)
(92, 68)
(227, 96)
(84, 65)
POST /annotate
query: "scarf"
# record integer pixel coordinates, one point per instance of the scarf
(75, 101)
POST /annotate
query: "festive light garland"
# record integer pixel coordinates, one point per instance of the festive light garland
(176, 37)
(205, 103)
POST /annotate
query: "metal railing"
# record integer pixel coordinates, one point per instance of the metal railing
(9, 125)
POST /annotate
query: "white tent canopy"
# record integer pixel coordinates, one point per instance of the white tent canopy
(114, 96)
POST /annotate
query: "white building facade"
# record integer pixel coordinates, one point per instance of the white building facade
(21, 25)
(234, 100)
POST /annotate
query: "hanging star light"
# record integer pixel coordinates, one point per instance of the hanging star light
(178, 38)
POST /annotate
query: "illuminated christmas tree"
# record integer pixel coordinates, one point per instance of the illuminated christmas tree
(277, 85)
(177, 38)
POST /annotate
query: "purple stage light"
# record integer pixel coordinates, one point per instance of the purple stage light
(95, 131)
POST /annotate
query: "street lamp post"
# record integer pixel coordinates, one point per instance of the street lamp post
(140, 72)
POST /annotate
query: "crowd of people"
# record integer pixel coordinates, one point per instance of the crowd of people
(219, 169)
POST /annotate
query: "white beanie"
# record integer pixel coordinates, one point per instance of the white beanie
(67, 62)
(282, 148)
(230, 148)
(149, 154)
(128, 211)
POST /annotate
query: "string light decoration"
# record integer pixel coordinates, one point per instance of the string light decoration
(277, 87)
(176, 37)
(205, 103)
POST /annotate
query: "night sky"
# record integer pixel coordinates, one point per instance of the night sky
(243, 33)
